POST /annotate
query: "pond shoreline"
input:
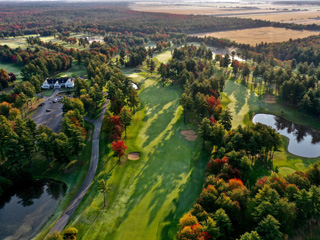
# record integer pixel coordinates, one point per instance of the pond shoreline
(300, 137)
(27, 209)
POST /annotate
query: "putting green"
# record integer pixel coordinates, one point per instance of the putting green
(286, 171)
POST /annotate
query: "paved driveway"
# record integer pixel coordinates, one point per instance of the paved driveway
(51, 119)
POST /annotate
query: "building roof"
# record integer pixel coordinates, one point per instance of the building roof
(57, 80)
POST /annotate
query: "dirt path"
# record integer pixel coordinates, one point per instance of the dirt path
(61, 223)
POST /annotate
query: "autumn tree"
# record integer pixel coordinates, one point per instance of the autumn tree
(119, 148)
(4, 78)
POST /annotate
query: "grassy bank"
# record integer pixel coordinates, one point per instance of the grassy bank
(72, 174)
(147, 196)
(244, 104)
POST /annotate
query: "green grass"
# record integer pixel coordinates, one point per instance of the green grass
(75, 71)
(21, 41)
(15, 42)
(147, 196)
(47, 92)
(12, 67)
(244, 104)
(72, 174)
(288, 163)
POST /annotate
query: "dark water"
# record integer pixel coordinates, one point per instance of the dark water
(303, 141)
(23, 214)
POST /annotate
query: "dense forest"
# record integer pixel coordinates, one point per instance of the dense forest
(233, 203)
(52, 18)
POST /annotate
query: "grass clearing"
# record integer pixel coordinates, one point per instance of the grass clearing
(72, 174)
(147, 196)
(12, 67)
(20, 41)
(76, 70)
(257, 35)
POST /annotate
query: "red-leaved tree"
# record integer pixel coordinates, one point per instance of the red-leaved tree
(119, 148)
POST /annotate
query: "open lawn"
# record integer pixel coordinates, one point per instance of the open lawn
(147, 196)
(258, 35)
(12, 67)
(244, 103)
(20, 41)
(75, 71)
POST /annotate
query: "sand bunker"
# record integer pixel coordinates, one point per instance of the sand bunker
(189, 135)
(134, 156)
(269, 98)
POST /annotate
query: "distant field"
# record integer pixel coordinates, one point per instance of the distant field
(21, 41)
(256, 10)
(308, 17)
(258, 35)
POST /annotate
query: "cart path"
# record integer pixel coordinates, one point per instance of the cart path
(63, 220)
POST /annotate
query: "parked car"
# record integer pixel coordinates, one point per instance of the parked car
(48, 110)
(41, 104)
(55, 100)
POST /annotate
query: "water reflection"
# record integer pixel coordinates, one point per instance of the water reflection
(25, 211)
(303, 141)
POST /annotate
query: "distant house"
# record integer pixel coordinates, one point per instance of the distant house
(57, 83)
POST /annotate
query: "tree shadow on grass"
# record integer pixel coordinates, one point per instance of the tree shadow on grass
(160, 107)
(165, 172)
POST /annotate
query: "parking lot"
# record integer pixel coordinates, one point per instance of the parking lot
(51, 119)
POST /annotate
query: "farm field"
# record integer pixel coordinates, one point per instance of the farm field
(257, 35)
(147, 196)
(303, 14)
(305, 17)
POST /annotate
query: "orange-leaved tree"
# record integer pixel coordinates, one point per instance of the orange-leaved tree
(119, 148)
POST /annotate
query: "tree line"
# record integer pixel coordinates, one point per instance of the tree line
(232, 204)
(50, 19)
(20, 139)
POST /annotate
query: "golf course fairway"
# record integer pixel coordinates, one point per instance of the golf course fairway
(148, 196)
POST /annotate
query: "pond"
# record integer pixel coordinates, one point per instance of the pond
(223, 51)
(134, 85)
(24, 213)
(303, 141)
